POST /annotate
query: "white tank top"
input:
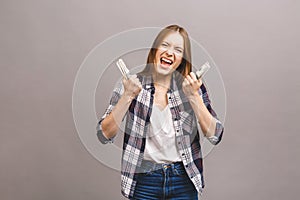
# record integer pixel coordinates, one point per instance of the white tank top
(160, 143)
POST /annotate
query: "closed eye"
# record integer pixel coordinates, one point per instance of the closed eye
(164, 44)
(179, 50)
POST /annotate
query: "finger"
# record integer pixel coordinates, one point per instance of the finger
(190, 80)
(140, 86)
(124, 80)
(200, 81)
(133, 76)
(187, 78)
(137, 81)
(186, 81)
(132, 80)
(193, 76)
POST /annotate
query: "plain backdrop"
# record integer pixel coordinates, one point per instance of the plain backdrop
(255, 44)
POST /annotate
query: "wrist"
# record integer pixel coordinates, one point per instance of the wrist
(127, 97)
(193, 95)
(195, 98)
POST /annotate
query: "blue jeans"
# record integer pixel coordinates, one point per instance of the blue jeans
(169, 181)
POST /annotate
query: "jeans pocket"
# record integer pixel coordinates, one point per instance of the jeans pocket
(179, 172)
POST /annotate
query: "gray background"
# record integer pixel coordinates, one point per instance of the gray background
(254, 43)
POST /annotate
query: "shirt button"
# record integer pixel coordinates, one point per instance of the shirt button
(169, 97)
(187, 166)
(183, 154)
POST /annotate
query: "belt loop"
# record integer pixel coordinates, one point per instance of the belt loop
(173, 168)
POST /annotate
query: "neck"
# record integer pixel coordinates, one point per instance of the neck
(162, 80)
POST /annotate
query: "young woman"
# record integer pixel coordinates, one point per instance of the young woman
(161, 156)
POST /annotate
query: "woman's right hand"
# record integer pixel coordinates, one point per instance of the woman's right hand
(132, 86)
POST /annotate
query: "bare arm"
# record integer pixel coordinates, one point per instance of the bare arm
(110, 125)
(210, 125)
(206, 120)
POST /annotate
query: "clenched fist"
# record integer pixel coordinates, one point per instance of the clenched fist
(191, 84)
(132, 86)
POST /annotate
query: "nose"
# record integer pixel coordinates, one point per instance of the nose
(169, 52)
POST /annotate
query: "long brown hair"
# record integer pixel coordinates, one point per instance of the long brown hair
(185, 66)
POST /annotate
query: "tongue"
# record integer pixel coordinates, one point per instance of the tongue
(165, 63)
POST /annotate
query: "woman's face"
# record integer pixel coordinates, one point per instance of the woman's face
(169, 54)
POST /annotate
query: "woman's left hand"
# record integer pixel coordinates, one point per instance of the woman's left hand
(191, 85)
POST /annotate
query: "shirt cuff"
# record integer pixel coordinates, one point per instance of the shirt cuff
(216, 138)
(100, 135)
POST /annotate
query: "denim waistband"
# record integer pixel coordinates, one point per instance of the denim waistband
(151, 166)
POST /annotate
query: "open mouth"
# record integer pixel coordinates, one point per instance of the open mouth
(166, 62)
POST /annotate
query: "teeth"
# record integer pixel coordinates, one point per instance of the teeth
(166, 60)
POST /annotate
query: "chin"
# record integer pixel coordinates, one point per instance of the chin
(163, 71)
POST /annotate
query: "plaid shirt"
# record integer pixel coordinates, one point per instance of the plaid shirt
(137, 127)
